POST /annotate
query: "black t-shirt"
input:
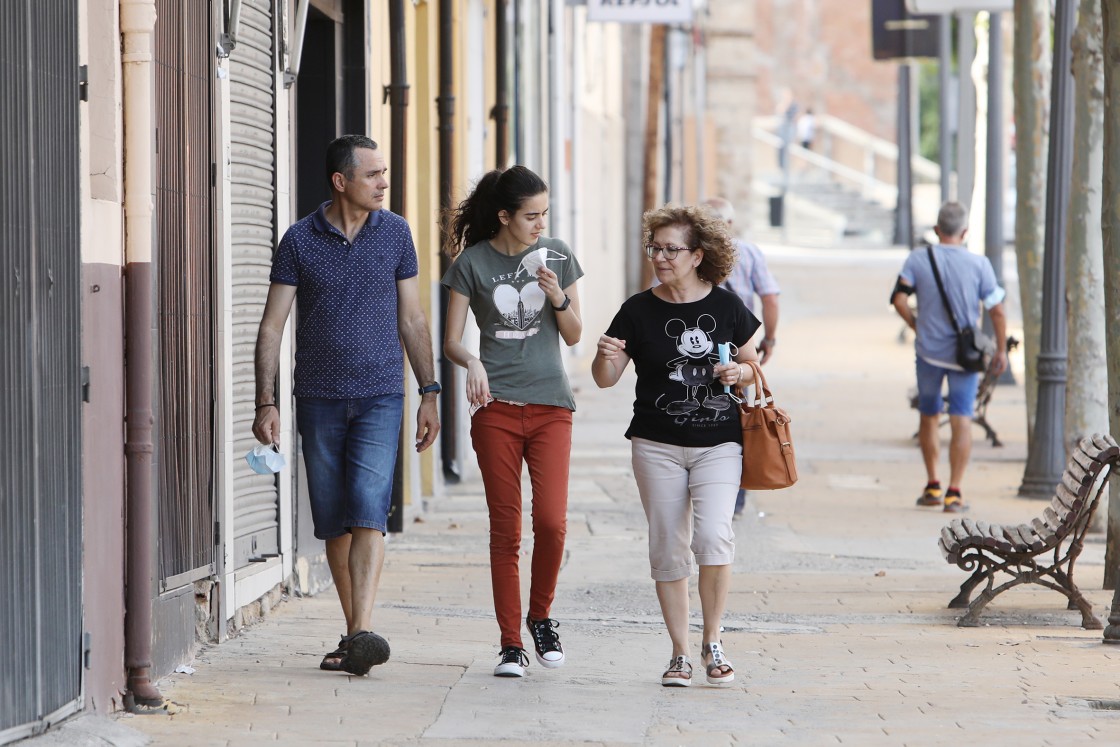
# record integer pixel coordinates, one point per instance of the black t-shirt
(677, 399)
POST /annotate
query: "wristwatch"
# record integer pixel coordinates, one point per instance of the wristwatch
(433, 388)
(566, 304)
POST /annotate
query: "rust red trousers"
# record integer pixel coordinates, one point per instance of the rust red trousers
(504, 436)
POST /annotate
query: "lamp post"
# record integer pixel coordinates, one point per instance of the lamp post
(993, 196)
(1048, 449)
(966, 107)
(903, 217)
(944, 126)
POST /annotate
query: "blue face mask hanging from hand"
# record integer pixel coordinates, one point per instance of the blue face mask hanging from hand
(265, 459)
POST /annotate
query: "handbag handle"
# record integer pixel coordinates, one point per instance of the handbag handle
(761, 390)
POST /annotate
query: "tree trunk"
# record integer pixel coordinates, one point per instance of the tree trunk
(1110, 226)
(1033, 52)
(1087, 382)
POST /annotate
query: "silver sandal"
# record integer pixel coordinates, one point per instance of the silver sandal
(679, 673)
(718, 661)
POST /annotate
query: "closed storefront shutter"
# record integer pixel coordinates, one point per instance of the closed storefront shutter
(183, 260)
(253, 147)
(40, 368)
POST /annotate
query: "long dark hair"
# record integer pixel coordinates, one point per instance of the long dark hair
(476, 218)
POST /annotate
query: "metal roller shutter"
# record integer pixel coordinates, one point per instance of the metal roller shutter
(40, 368)
(253, 147)
(182, 268)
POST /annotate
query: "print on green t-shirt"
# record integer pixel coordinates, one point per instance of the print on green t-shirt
(519, 341)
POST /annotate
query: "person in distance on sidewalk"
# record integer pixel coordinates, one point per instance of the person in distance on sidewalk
(969, 282)
(351, 267)
(521, 287)
(685, 438)
(751, 277)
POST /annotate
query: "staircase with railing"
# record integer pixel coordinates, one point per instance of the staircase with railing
(844, 187)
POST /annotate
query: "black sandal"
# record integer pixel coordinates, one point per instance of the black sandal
(363, 651)
(332, 662)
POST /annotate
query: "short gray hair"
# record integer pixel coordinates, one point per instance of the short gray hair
(721, 207)
(952, 219)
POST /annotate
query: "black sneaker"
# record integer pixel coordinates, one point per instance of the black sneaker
(512, 662)
(550, 653)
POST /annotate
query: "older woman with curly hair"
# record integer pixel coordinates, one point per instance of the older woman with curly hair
(686, 443)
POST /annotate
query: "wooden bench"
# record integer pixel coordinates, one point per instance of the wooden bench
(1023, 552)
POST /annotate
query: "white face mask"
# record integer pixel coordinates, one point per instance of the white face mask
(265, 460)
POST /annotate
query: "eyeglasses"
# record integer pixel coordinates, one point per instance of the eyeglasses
(669, 251)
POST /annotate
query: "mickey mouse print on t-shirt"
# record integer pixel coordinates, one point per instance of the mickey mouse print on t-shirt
(695, 368)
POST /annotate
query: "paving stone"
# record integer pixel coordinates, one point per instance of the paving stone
(836, 620)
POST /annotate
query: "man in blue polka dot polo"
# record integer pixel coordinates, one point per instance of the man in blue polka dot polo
(351, 267)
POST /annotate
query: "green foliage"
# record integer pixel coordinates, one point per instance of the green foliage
(929, 113)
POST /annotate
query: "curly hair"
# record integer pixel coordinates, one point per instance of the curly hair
(704, 230)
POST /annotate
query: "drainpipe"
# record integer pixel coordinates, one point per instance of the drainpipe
(500, 112)
(138, 20)
(446, 107)
(396, 93)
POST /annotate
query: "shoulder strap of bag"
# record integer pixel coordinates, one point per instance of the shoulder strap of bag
(941, 289)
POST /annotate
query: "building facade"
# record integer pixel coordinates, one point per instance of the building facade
(158, 150)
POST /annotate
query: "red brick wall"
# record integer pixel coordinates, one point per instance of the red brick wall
(820, 50)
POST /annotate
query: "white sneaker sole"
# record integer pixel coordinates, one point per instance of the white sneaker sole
(509, 670)
(551, 664)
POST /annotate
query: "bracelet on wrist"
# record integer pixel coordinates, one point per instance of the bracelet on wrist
(258, 408)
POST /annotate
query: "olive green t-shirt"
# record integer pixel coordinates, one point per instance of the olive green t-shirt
(520, 343)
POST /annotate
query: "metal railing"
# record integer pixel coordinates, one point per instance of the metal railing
(849, 155)
(865, 184)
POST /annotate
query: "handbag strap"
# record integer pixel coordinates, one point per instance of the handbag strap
(941, 289)
(762, 392)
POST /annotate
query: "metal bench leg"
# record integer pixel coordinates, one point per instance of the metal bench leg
(960, 601)
(971, 619)
(1077, 601)
(989, 433)
(1089, 621)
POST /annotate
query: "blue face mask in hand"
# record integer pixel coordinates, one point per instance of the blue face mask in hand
(265, 459)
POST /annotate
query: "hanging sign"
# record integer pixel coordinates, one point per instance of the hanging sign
(957, 6)
(640, 11)
(898, 34)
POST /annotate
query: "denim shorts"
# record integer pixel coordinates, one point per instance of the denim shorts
(962, 389)
(350, 451)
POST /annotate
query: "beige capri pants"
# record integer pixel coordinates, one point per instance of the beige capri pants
(688, 494)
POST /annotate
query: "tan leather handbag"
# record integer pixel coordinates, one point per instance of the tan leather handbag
(768, 458)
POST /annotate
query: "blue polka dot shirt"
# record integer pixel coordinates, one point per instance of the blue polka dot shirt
(347, 343)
